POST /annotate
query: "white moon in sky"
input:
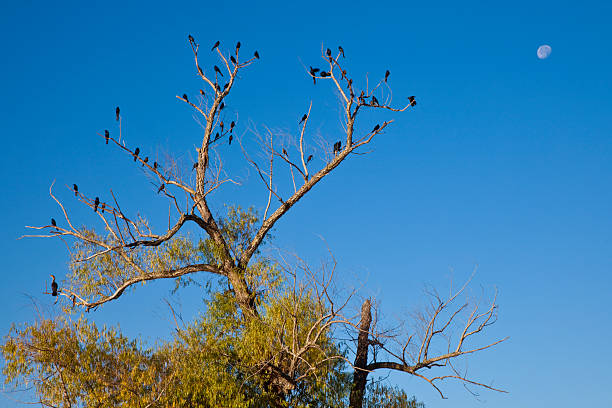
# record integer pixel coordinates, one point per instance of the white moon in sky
(544, 51)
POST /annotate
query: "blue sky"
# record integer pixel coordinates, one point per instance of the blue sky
(504, 163)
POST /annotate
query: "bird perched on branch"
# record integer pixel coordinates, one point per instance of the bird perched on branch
(201, 92)
(387, 73)
(53, 286)
(376, 128)
(185, 98)
(328, 53)
(106, 136)
(232, 126)
(222, 105)
(96, 204)
(161, 188)
(412, 100)
(195, 166)
(256, 54)
(76, 190)
(374, 101)
(237, 46)
(117, 113)
(191, 39)
(230, 139)
(217, 70)
(53, 222)
(146, 159)
(155, 165)
(303, 118)
(324, 74)
(309, 159)
(341, 50)
(215, 46)
(285, 152)
(232, 59)
(337, 147)
(103, 207)
(136, 152)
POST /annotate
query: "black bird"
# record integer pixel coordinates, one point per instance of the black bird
(216, 137)
(136, 152)
(53, 286)
(106, 135)
(328, 52)
(230, 139)
(191, 39)
(103, 207)
(343, 74)
(341, 50)
(222, 105)
(200, 71)
(337, 147)
(161, 188)
(76, 190)
(309, 159)
(376, 128)
(285, 152)
(215, 46)
(146, 159)
(201, 92)
(217, 70)
(221, 125)
(237, 46)
(155, 165)
(195, 166)
(412, 101)
(232, 59)
(225, 87)
(185, 97)
(232, 125)
(256, 55)
(117, 113)
(324, 74)
(350, 83)
(313, 71)
(96, 204)
(304, 118)
(53, 222)
(374, 101)
(387, 73)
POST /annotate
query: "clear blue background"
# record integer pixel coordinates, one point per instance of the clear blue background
(504, 163)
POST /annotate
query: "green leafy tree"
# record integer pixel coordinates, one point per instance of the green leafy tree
(268, 333)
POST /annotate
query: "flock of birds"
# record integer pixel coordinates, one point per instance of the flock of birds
(337, 147)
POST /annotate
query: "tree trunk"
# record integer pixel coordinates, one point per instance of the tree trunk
(361, 359)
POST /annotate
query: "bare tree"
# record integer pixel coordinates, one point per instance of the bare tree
(121, 257)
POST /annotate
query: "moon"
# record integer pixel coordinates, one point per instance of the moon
(544, 51)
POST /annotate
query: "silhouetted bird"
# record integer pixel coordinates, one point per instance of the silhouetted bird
(323, 74)
(337, 147)
(230, 139)
(146, 159)
(117, 113)
(53, 286)
(217, 70)
(215, 46)
(136, 152)
(313, 71)
(341, 51)
(374, 101)
(309, 159)
(256, 55)
(161, 188)
(376, 128)
(216, 137)
(237, 46)
(76, 189)
(387, 73)
(303, 118)
(225, 87)
(103, 207)
(195, 166)
(185, 97)
(232, 59)
(191, 39)
(232, 125)
(285, 152)
(222, 105)
(96, 204)
(412, 100)
(155, 165)
(200, 71)
(106, 136)
(221, 126)
(350, 83)
(53, 222)
(201, 92)
(328, 52)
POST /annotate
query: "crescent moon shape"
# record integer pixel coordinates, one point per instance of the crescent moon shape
(544, 51)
